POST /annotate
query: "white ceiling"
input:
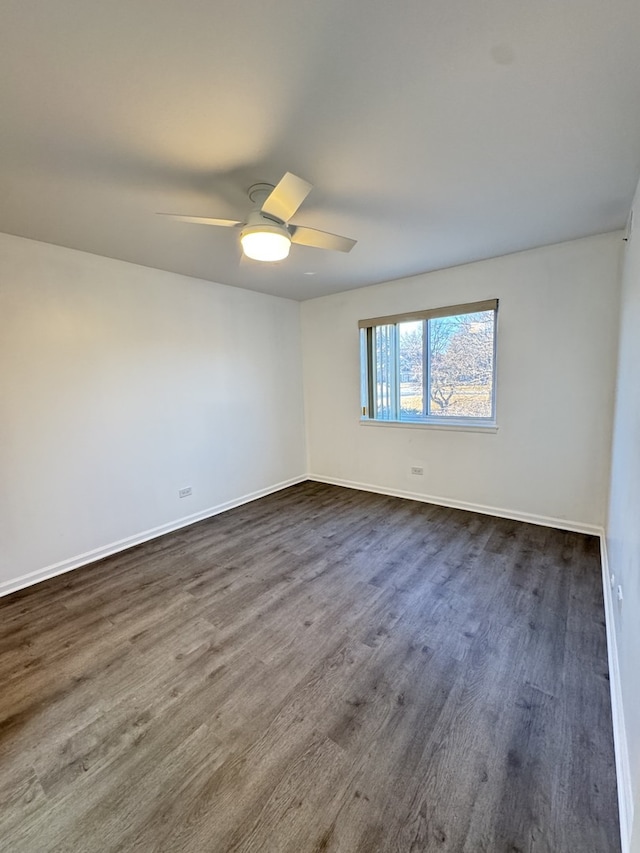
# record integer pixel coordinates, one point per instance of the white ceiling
(435, 133)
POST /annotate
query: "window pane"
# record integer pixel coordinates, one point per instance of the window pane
(411, 357)
(461, 365)
(383, 372)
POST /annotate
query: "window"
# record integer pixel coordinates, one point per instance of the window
(434, 366)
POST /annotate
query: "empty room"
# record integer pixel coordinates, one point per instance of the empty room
(319, 426)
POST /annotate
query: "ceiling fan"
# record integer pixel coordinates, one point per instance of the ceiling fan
(267, 234)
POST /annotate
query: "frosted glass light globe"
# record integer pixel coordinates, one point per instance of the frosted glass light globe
(265, 245)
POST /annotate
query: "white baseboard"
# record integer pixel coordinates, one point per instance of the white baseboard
(515, 515)
(60, 568)
(623, 770)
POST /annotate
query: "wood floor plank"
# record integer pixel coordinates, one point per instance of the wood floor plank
(319, 670)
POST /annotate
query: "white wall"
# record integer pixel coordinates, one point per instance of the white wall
(557, 343)
(623, 529)
(121, 384)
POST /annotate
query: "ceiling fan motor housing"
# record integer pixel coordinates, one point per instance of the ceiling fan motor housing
(257, 221)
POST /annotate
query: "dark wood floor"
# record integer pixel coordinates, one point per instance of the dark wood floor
(320, 670)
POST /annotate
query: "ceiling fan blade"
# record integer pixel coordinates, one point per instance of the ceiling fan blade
(286, 197)
(202, 220)
(321, 239)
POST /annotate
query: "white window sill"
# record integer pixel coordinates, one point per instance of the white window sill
(458, 426)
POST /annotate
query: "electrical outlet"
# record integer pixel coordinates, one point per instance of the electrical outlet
(184, 493)
(416, 469)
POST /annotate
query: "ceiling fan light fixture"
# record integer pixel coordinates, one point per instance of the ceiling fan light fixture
(265, 242)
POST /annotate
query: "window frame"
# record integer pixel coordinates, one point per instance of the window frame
(367, 369)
